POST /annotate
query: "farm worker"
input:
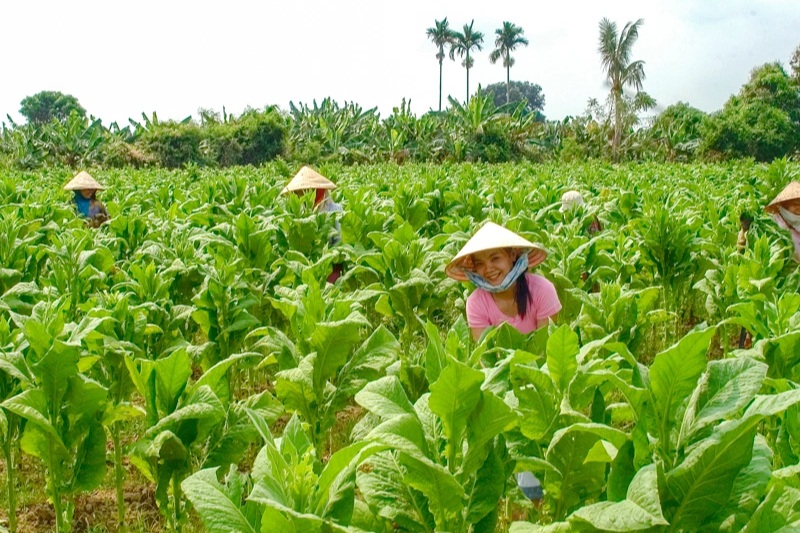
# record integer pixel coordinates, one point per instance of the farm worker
(572, 201)
(745, 339)
(496, 261)
(744, 223)
(85, 188)
(785, 211)
(308, 179)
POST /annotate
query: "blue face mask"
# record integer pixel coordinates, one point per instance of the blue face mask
(519, 268)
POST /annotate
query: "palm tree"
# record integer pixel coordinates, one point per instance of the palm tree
(463, 43)
(508, 38)
(442, 36)
(620, 71)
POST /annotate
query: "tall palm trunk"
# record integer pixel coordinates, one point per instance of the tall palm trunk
(508, 83)
(440, 84)
(467, 76)
(617, 125)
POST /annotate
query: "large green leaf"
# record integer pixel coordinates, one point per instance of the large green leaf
(639, 511)
(384, 489)
(435, 354)
(333, 342)
(490, 418)
(403, 433)
(213, 504)
(777, 512)
(444, 493)
(368, 363)
(486, 489)
(748, 489)
(726, 387)
(539, 401)
(336, 485)
(385, 398)
(172, 377)
(453, 398)
(562, 353)
(673, 377)
(90, 459)
(702, 483)
(573, 479)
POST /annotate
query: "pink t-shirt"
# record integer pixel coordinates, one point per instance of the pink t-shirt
(482, 312)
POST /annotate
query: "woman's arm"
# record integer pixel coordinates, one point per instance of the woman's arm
(542, 322)
(476, 333)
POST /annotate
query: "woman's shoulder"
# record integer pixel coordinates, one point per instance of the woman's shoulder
(478, 296)
(537, 280)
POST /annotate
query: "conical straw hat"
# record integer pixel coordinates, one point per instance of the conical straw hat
(306, 179)
(790, 192)
(83, 181)
(491, 237)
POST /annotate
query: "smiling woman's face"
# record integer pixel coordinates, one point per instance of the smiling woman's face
(493, 265)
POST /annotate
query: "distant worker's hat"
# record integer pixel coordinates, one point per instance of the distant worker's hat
(83, 181)
(570, 200)
(490, 237)
(789, 193)
(308, 178)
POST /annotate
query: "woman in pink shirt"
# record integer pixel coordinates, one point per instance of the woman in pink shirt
(496, 260)
(785, 210)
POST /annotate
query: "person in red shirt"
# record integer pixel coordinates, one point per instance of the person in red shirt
(306, 180)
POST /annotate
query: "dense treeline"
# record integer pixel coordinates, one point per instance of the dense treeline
(501, 123)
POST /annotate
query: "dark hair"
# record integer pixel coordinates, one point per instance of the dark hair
(522, 295)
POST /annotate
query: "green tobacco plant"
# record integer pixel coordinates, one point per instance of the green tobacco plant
(328, 362)
(122, 331)
(14, 375)
(223, 310)
(616, 310)
(61, 407)
(179, 419)
(78, 267)
(289, 489)
(448, 468)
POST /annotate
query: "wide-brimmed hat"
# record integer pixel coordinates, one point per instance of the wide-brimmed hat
(790, 192)
(491, 237)
(308, 178)
(83, 181)
(570, 200)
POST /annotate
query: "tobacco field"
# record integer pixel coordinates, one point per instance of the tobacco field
(192, 348)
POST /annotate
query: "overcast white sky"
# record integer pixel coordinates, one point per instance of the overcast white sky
(124, 58)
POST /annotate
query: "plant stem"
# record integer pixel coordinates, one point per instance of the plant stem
(57, 504)
(11, 492)
(52, 480)
(176, 501)
(119, 476)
